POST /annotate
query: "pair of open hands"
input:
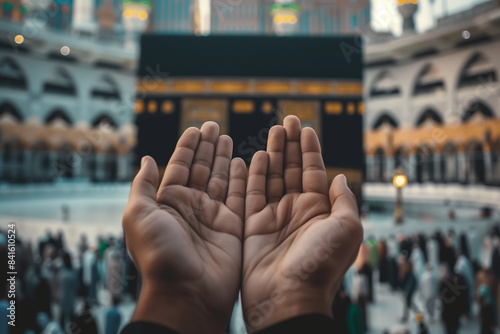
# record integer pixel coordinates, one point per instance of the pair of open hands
(283, 237)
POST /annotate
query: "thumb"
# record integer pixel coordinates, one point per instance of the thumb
(145, 184)
(345, 209)
(342, 199)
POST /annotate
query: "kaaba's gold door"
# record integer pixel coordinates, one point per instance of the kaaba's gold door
(197, 111)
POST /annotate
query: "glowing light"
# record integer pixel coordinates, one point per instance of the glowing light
(404, 2)
(204, 9)
(281, 19)
(128, 13)
(142, 15)
(65, 50)
(19, 39)
(400, 181)
(465, 34)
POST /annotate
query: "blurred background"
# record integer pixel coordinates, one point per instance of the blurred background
(425, 100)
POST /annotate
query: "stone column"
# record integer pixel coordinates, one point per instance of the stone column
(1, 165)
(411, 167)
(437, 167)
(77, 164)
(461, 166)
(100, 160)
(130, 166)
(125, 167)
(389, 168)
(54, 170)
(495, 171)
(27, 167)
(369, 168)
(36, 166)
(488, 171)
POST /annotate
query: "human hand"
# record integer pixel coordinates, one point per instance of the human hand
(186, 238)
(300, 238)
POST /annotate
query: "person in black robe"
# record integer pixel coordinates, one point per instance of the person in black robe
(448, 256)
(409, 287)
(340, 309)
(453, 294)
(440, 240)
(406, 246)
(464, 246)
(85, 322)
(383, 262)
(488, 316)
(366, 270)
(422, 244)
(495, 262)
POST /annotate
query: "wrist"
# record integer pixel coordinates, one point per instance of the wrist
(175, 308)
(283, 305)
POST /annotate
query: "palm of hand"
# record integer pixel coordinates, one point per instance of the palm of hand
(192, 239)
(292, 228)
(186, 237)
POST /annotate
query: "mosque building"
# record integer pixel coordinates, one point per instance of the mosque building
(67, 85)
(69, 94)
(433, 105)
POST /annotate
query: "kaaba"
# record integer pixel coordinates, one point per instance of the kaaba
(247, 84)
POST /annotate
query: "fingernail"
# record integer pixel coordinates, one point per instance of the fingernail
(344, 179)
(143, 161)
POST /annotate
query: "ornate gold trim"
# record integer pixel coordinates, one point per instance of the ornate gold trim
(229, 87)
(273, 87)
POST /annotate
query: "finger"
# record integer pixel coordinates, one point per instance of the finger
(237, 183)
(142, 198)
(342, 199)
(204, 156)
(293, 157)
(179, 165)
(276, 152)
(256, 187)
(314, 177)
(219, 178)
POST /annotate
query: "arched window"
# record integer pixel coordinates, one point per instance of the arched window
(401, 162)
(379, 166)
(60, 82)
(11, 75)
(40, 168)
(13, 159)
(477, 110)
(384, 85)
(104, 120)
(474, 164)
(424, 161)
(7, 110)
(89, 160)
(449, 164)
(384, 120)
(429, 117)
(65, 163)
(106, 89)
(58, 116)
(429, 81)
(111, 165)
(478, 70)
